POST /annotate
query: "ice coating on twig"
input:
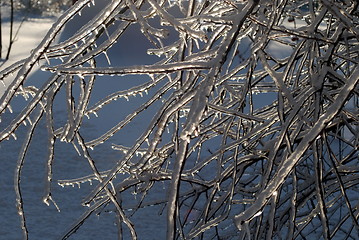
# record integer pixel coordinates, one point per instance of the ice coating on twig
(249, 112)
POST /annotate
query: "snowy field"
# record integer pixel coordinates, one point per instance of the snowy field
(29, 34)
(45, 220)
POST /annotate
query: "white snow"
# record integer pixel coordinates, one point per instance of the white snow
(30, 34)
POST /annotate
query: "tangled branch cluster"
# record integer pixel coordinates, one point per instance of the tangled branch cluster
(257, 130)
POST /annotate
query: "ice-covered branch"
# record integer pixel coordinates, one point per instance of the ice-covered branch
(239, 119)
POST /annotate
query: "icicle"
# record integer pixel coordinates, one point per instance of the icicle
(105, 28)
(95, 113)
(126, 97)
(21, 88)
(3, 82)
(147, 141)
(196, 133)
(257, 214)
(89, 5)
(79, 185)
(107, 58)
(93, 2)
(152, 76)
(9, 108)
(14, 136)
(29, 120)
(47, 59)
(169, 77)
(80, 13)
(80, 76)
(88, 117)
(46, 201)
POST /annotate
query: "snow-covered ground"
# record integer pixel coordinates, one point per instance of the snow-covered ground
(29, 34)
(51, 223)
